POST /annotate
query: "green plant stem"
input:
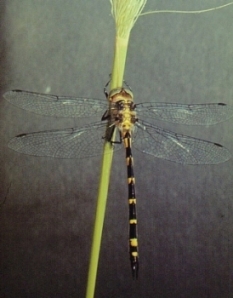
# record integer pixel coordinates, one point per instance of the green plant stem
(125, 13)
(121, 46)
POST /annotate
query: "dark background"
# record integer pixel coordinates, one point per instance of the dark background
(184, 212)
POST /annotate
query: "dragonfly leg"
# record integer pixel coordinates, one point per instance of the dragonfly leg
(106, 116)
(109, 135)
(105, 88)
(119, 141)
(127, 85)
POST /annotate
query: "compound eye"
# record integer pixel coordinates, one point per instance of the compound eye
(121, 106)
(132, 106)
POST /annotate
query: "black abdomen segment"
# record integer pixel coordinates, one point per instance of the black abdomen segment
(133, 238)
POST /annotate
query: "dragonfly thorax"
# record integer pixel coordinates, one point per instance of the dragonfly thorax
(122, 109)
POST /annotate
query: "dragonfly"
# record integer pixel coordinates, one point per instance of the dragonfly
(120, 114)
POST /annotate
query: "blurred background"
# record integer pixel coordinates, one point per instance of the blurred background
(47, 205)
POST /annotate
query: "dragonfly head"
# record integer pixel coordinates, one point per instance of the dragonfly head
(120, 94)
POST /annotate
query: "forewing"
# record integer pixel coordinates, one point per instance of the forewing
(191, 114)
(52, 105)
(178, 148)
(68, 143)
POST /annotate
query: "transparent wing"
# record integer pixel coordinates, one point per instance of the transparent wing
(52, 105)
(168, 145)
(191, 114)
(68, 143)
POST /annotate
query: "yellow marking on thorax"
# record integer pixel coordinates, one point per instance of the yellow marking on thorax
(126, 125)
(126, 115)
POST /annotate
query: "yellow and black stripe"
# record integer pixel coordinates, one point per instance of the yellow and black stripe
(133, 238)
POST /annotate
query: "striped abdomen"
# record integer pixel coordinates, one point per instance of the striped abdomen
(133, 240)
